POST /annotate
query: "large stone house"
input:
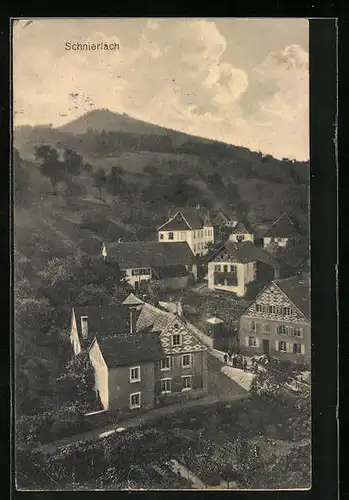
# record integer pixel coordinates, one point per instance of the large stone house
(172, 265)
(154, 360)
(277, 322)
(283, 232)
(190, 227)
(234, 265)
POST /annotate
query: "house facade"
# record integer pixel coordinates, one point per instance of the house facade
(240, 233)
(282, 233)
(189, 227)
(172, 265)
(236, 264)
(159, 361)
(277, 323)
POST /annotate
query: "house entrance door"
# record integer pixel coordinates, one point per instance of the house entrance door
(266, 346)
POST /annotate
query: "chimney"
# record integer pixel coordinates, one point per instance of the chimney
(84, 327)
(179, 308)
(133, 320)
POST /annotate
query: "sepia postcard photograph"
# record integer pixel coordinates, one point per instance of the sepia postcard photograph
(161, 212)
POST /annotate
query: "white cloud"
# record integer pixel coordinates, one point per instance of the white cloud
(177, 77)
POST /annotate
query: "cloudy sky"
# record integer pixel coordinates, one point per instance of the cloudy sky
(241, 81)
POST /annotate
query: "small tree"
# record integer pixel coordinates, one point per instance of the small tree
(51, 167)
(100, 180)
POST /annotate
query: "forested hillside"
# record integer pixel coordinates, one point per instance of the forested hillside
(89, 183)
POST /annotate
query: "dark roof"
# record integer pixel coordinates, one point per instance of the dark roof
(170, 271)
(244, 252)
(135, 349)
(228, 213)
(297, 289)
(151, 254)
(294, 257)
(183, 220)
(283, 227)
(103, 321)
(241, 228)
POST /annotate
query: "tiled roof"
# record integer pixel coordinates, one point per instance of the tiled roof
(103, 321)
(297, 290)
(283, 227)
(245, 252)
(132, 300)
(151, 254)
(241, 228)
(183, 221)
(135, 349)
(153, 319)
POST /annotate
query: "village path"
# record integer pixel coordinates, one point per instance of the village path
(220, 389)
(150, 416)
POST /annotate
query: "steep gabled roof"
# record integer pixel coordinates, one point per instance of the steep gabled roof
(132, 300)
(151, 254)
(283, 227)
(297, 289)
(153, 319)
(103, 321)
(183, 221)
(241, 228)
(130, 351)
(243, 253)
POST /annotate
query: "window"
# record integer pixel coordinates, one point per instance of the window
(297, 348)
(186, 361)
(161, 236)
(287, 311)
(84, 326)
(297, 331)
(252, 326)
(176, 339)
(135, 374)
(281, 330)
(141, 272)
(272, 309)
(233, 269)
(259, 308)
(289, 330)
(165, 385)
(279, 310)
(266, 328)
(283, 346)
(194, 235)
(240, 237)
(135, 400)
(252, 342)
(186, 383)
(225, 268)
(165, 364)
(170, 236)
(217, 268)
(194, 247)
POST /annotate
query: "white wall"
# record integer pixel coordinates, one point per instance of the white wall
(132, 279)
(247, 237)
(101, 374)
(245, 274)
(196, 240)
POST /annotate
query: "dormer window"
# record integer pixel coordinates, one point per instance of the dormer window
(84, 326)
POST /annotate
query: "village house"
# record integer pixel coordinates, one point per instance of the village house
(173, 265)
(283, 232)
(188, 226)
(225, 217)
(87, 322)
(234, 265)
(277, 323)
(241, 232)
(156, 361)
